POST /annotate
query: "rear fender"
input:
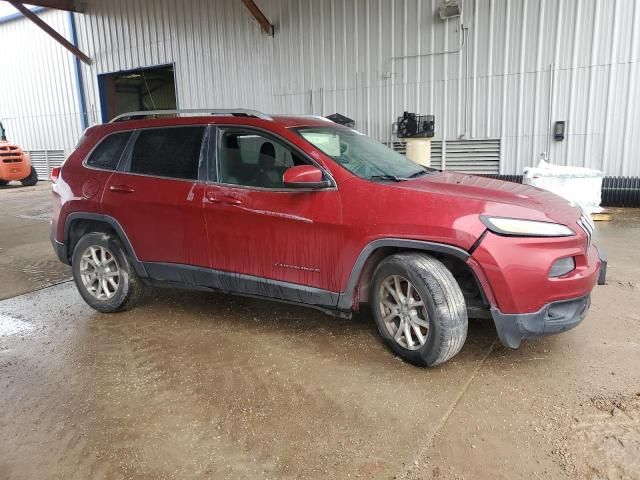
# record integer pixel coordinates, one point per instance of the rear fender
(111, 222)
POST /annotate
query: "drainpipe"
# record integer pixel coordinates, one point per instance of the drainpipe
(552, 80)
(79, 83)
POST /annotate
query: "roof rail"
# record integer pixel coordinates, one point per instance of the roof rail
(239, 112)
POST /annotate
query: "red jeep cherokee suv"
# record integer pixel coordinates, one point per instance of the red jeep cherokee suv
(302, 210)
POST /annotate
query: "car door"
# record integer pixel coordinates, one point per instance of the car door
(259, 228)
(156, 196)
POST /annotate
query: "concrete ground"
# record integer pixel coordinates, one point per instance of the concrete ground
(201, 385)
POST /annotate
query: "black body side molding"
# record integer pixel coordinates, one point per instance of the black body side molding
(240, 284)
(345, 301)
(339, 304)
(113, 223)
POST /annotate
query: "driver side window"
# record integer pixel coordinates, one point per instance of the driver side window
(251, 158)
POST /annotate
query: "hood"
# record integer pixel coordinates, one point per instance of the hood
(498, 197)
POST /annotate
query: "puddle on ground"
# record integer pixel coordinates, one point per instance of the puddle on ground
(12, 325)
(39, 216)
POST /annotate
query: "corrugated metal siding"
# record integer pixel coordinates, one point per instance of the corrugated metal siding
(44, 160)
(38, 97)
(524, 63)
(480, 157)
(471, 156)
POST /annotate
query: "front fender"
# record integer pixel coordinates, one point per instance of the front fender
(346, 298)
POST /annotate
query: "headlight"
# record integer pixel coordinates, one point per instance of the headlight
(525, 228)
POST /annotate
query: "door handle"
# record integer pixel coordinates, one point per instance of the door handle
(228, 199)
(121, 188)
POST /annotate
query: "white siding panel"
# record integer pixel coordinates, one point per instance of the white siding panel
(39, 104)
(367, 59)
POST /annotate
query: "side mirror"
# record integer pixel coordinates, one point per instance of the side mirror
(304, 176)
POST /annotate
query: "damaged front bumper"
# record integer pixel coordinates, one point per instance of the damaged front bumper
(552, 318)
(556, 317)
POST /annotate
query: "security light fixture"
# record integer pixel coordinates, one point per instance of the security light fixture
(449, 9)
(342, 120)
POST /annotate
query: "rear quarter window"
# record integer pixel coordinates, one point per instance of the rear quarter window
(108, 152)
(168, 152)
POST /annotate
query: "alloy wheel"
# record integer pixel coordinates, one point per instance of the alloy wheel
(403, 312)
(99, 272)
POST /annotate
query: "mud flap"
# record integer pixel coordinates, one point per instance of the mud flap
(602, 275)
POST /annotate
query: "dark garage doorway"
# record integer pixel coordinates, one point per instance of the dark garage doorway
(152, 88)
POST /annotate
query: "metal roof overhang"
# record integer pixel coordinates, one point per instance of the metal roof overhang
(72, 47)
(68, 5)
(80, 6)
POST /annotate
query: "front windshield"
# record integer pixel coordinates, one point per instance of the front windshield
(362, 155)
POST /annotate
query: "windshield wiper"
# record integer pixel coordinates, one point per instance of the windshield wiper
(393, 178)
(419, 173)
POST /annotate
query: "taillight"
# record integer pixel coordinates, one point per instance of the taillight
(55, 173)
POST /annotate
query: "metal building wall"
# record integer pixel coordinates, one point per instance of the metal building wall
(522, 64)
(38, 96)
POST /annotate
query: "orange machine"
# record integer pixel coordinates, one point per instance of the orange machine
(15, 163)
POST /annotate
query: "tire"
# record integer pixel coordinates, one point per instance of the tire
(129, 288)
(31, 180)
(441, 319)
(4, 183)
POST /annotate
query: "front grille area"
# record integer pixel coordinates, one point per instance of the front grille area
(586, 223)
(10, 154)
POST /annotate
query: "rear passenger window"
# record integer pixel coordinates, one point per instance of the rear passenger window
(168, 152)
(108, 152)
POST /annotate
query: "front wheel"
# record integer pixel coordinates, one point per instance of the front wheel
(103, 273)
(31, 180)
(419, 308)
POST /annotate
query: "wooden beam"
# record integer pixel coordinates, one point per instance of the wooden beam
(264, 22)
(55, 35)
(69, 5)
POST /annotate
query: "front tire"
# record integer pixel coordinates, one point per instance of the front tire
(103, 273)
(419, 308)
(31, 180)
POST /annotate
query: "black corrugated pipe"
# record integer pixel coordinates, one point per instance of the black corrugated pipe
(621, 191)
(616, 191)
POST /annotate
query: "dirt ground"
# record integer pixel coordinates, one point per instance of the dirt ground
(195, 385)
(27, 261)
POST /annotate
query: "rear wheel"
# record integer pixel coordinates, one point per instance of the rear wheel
(31, 180)
(103, 273)
(419, 308)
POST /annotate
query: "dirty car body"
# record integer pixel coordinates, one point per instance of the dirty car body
(298, 209)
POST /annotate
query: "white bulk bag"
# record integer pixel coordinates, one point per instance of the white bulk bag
(581, 186)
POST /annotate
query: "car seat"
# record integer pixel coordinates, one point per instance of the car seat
(268, 175)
